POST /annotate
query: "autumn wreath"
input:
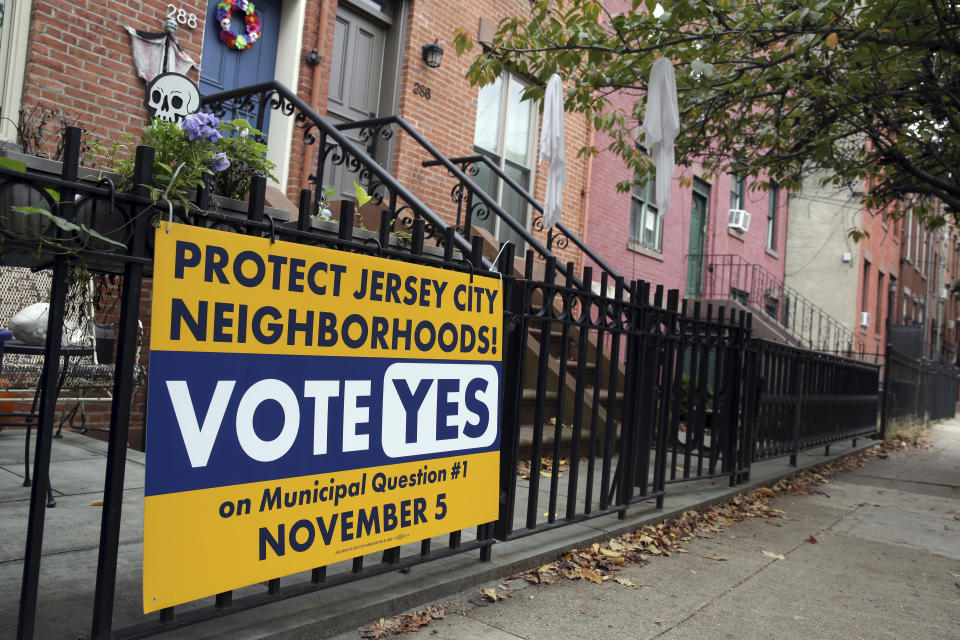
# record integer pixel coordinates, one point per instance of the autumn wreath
(238, 41)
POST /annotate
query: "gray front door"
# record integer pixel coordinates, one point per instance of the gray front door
(355, 80)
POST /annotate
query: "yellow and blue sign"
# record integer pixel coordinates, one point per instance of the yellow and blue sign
(307, 406)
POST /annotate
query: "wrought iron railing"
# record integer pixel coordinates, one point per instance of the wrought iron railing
(731, 277)
(333, 146)
(339, 151)
(916, 390)
(558, 235)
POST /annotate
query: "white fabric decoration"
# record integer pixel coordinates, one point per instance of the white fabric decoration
(29, 325)
(552, 150)
(662, 122)
(149, 50)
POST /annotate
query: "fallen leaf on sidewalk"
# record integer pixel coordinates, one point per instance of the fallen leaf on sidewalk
(96, 503)
(714, 557)
(801, 490)
(767, 492)
(592, 576)
(813, 540)
(405, 622)
(493, 595)
(625, 582)
(956, 517)
(771, 554)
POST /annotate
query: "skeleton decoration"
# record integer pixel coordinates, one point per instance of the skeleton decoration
(171, 97)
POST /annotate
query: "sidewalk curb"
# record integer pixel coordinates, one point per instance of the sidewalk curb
(327, 613)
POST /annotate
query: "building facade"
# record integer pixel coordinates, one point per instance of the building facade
(350, 60)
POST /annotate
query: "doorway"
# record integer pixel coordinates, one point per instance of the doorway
(364, 74)
(223, 68)
(698, 238)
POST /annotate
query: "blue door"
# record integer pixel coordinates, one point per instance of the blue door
(223, 68)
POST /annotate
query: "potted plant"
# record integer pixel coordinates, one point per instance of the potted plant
(201, 152)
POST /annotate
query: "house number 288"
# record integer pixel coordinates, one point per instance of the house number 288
(181, 16)
(420, 90)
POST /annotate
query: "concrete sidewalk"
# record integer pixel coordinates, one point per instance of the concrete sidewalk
(673, 596)
(886, 565)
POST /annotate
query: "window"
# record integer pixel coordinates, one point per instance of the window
(14, 26)
(866, 283)
(737, 189)
(894, 300)
(908, 231)
(504, 132)
(773, 197)
(921, 250)
(880, 292)
(646, 223)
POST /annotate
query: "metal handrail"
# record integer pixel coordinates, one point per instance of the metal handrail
(510, 182)
(749, 274)
(457, 172)
(265, 89)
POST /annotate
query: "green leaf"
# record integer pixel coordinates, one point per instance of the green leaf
(63, 223)
(100, 236)
(362, 196)
(14, 165)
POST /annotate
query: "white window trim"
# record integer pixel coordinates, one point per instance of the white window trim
(13, 60)
(280, 136)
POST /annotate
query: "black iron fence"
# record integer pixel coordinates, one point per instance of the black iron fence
(608, 399)
(917, 390)
(805, 399)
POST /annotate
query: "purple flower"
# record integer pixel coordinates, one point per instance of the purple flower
(201, 126)
(219, 163)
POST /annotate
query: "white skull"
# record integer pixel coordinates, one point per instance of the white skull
(171, 97)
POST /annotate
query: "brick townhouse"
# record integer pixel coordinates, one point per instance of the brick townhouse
(350, 60)
(697, 246)
(925, 310)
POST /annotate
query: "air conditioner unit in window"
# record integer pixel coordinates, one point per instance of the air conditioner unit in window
(739, 219)
(864, 318)
(944, 293)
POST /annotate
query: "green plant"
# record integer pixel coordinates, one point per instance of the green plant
(323, 202)
(201, 151)
(247, 157)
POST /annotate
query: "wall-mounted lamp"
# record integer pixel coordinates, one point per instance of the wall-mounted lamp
(432, 53)
(312, 58)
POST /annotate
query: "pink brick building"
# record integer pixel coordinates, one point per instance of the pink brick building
(676, 248)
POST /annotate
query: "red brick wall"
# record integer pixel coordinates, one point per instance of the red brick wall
(447, 120)
(80, 60)
(882, 249)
